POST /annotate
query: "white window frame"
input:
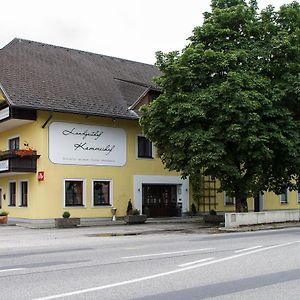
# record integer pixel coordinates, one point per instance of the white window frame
(282, 201)
(83, 193)
(20, 194)
(110, 193)
(228, 204)
(137, 148)
(9, 203)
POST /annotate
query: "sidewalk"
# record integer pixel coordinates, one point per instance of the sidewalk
(160, 225)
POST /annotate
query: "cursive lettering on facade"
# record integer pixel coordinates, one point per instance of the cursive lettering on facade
(86, 133)
(83, 146)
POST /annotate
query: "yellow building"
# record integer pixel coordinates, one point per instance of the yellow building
(70, 140)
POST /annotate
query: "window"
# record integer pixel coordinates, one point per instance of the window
(12, 194)
(144, 148)
(24, 193)
(101, 192)
(74, 192)
(14, 143)
(298, 196)
(229, 200)
(284, 197)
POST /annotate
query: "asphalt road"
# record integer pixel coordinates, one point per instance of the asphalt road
(79, 264)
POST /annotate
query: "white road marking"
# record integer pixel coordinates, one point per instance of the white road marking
(8, 270)
(98, 288)
(247, 249)
(167, 253)
(195, 262)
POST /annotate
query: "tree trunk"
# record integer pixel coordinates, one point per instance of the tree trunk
(238, 204)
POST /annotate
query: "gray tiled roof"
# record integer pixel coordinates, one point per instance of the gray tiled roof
(45, 77)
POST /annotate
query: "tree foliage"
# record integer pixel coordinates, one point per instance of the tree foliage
(230, 102)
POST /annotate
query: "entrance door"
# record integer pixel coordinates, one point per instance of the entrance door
(160, 200)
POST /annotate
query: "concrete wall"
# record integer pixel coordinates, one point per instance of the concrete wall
(251, 218)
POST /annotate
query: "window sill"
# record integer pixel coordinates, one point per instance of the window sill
(102, 206)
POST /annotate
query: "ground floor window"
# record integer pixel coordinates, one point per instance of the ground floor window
(24, 193)
(101, 192)
(74, 192)
(12, 194)
(284, 197)
(229, 200)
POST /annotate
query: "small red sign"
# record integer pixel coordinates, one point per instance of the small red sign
(41, 176)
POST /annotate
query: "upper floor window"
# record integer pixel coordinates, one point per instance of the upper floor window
(14, 143)
(74, 192)
(145, 148)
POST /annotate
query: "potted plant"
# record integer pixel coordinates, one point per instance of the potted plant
(135, 217)
(66, 221)
(3, 217)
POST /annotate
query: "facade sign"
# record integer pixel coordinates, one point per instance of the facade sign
(41, 176)
(4, 113)
(4, 165)
(79, 144)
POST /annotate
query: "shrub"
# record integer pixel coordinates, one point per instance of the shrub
(3, 213)
(135, 212)
(66, 215)
(212, 212)
(193, 209)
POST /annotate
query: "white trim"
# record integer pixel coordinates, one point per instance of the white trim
(229, 204)
(137, 148)
(20, 193)
(139, 180)
(83, 193)
(8, 190)
(110, 193)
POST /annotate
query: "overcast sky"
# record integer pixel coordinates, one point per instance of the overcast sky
(130, 29)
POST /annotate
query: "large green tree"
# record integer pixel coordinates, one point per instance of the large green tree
(230, 102)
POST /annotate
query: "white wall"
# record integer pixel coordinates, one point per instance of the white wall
(251, 218)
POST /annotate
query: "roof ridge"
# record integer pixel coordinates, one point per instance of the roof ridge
(15, 40)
